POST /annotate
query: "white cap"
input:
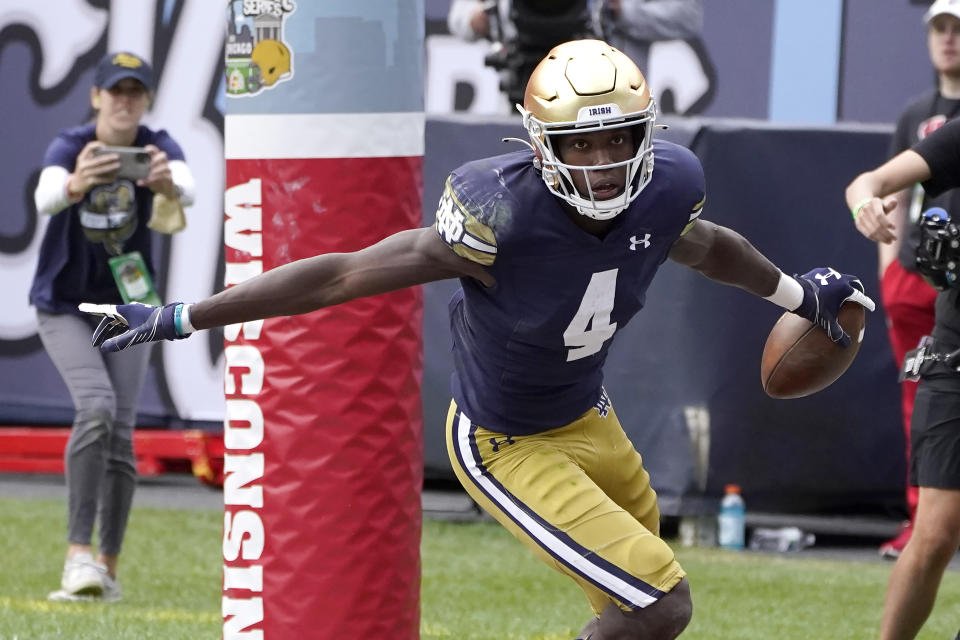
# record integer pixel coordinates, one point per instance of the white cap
(942, 6)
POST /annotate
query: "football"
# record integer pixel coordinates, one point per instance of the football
(799, 358)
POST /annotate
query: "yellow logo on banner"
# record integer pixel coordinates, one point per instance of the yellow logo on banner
(257, 56)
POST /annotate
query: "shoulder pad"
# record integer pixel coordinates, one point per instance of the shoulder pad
(462, 230)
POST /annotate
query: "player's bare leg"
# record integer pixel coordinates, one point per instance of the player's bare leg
(919, 569)
(663, 620)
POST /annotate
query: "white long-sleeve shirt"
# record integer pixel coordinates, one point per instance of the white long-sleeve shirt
(51, 197)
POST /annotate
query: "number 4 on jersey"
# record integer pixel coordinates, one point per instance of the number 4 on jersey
(591, 326)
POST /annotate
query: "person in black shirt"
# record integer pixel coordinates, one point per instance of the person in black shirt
(935, 428)
(907, 299)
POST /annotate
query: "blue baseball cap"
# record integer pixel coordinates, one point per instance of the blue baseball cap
(114, 67)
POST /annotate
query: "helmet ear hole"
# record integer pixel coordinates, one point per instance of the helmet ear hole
(538, 153)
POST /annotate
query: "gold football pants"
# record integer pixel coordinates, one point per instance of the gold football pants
(578, 497)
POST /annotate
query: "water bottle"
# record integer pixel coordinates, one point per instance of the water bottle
(731, 523)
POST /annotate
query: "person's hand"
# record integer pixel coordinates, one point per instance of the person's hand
(824, 291)
(91, 170)
(125, 325)
(160, 178)
(872, 221)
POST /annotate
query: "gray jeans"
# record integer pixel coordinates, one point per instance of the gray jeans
(100, 465)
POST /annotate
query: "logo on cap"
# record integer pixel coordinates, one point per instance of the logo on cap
(127, 60)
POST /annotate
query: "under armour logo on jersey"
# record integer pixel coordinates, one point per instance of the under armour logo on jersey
(645, 241)
(831, 273)
(498, 443)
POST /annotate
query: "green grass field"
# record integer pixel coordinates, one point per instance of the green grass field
(171, 579)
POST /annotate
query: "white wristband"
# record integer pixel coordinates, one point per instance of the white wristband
(185, 325)
(789, 293)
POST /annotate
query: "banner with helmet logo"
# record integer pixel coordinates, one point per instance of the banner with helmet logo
(323, 427)
(257, 56)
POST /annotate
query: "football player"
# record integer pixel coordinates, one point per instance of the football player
(554, 247)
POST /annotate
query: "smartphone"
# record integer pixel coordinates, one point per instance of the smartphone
(134, 161)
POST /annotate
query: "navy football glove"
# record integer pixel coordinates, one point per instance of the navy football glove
(824, 290)
(124, 325)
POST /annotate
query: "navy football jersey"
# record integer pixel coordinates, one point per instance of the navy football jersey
(529, 351)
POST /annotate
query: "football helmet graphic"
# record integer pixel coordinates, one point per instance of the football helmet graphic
(584, 86)
(273, 59)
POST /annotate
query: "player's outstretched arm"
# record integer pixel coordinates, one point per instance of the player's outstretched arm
(724, 255)
(402, 260)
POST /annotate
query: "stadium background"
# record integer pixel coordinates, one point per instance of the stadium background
(784, 103)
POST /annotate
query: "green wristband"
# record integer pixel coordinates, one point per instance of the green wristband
(856, 210)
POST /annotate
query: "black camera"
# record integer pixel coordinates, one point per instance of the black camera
(938, 254)
(540, 26)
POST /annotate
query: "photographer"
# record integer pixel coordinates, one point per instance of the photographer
(935, 426)
(97, 246)
(522, 32)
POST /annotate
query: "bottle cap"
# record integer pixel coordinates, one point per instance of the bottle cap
(732, 488)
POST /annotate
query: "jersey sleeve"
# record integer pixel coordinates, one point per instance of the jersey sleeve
(460, 227)
(694, 215)
(692, 191)
(941, 151)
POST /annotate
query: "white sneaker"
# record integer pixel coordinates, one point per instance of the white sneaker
(82, 576)
(111, 587)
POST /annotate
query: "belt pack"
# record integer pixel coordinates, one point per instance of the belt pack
(929, 356)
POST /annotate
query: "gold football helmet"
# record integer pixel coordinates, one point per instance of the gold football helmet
(583, 86)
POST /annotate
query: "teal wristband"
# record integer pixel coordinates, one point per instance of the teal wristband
(177, 323)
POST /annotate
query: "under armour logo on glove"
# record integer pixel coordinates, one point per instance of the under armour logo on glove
(823, 278)
(824, 291)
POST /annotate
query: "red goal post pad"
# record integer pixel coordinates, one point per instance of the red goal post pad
(324, 420)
